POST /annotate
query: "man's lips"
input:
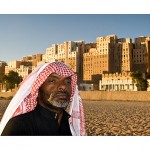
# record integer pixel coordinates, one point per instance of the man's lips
(61, 96)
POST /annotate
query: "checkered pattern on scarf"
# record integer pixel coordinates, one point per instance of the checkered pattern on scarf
(59, 68)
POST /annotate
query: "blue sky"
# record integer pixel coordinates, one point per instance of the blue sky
(26, 34)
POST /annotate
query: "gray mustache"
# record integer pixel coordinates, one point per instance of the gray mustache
(63, 92)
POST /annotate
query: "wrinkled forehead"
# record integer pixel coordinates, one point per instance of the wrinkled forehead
(55, 75)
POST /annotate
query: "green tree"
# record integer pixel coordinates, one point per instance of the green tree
(141, 83)
(11, 79)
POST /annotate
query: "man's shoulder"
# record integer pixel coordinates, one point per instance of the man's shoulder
(23, 116)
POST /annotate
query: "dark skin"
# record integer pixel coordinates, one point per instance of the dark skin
(54, 94)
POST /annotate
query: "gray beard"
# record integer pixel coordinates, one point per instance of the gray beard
(55, 102)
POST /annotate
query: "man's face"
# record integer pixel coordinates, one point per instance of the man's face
(56, 90)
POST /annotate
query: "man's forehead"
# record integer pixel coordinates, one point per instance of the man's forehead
(54, 75)
(58, 76)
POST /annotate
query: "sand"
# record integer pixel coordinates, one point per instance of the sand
(112, 118)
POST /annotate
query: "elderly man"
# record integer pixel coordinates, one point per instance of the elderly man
(38, 108)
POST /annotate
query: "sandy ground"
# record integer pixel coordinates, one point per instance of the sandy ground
(117, 118)
(3, 106)
(112, 118)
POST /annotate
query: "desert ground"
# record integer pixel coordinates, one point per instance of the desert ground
(112, 118)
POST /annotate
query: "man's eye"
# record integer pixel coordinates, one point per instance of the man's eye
(69, 82)
(52, 81)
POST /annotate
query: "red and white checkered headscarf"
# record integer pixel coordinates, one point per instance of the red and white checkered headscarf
(25, 99)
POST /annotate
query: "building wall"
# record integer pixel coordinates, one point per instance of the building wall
(12, 65)
(23, 71)
(68, 52)
(24, 66)
(88, 61)
(148, 53)
(141, 54)
(126, 64)
(105, 51)
(115, 95)
(117, 82)
(86, 87)
(109, 55)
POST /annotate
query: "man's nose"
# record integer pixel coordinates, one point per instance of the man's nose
(61, 86)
